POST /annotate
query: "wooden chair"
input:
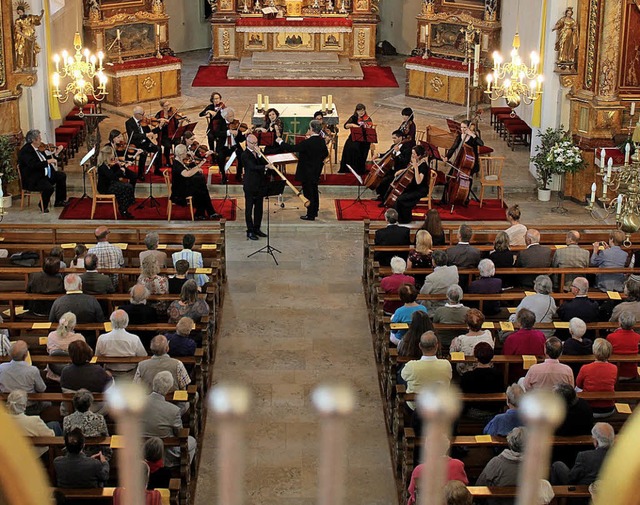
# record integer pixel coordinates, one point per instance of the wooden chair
(420, 135)
(26, 193)
(167, 181)
(96, 197)
(432, 184)
(491, 175)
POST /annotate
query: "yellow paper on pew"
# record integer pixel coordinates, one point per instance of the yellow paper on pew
(40, 326)
(561, 246)
(399, 326)
(529, 293)
(506, 326)
(162, 246)
(488, 325)
(613, 295)
(623, 408)
(483, 438)
(69, 245)
(528, 361)
(117, 442)
(89, 246)
(121, 245)
(203, 270)
(208, 246)
(19, 311)
(180, 396)
(43, 340)
(457, 356)
(28, 359)
(94, 360)
(1, 239)
(107, 326)
(561, 324)
(512, 310)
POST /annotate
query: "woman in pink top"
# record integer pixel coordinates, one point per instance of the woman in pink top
(149, 278)
(599, 376)
(467, 342)
(455, 471)
(58, 342)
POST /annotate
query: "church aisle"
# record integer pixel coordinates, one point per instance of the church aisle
(284, 329)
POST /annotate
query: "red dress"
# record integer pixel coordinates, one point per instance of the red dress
(625, 342)
(598, 376)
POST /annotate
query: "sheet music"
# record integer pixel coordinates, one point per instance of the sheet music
(88, 156)
(232, 158)
(356, 174)
(282, 158)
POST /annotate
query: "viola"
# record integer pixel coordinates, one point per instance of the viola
(47, 147)
(237, 125)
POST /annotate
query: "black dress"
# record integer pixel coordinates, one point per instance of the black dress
(274, 147)
(504, 259)
(194, 186)
(217, 126)
(109, 184)
(412, 194)
(354, 153)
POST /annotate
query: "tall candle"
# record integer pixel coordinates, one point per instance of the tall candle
(619, 209)
(633, 108)
(324, 103)
(118, 34)
(602, 155)
(593, 193)
(627, 152)
(266, 101)
(259, 101)
(158, 30)
(330, 102)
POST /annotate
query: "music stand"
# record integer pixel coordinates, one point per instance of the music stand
(151, 199)
(227, 166)
(265, 138)
(364, 135)
(83, 163)
(360, 183)
(274, 188)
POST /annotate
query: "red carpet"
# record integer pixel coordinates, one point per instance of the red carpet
(350, 210)
(82, 210)
(374, 77)
(325, 180)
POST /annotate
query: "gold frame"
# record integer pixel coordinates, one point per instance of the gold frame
(255, 47)
(307, 41)
(118, 4)
(331, 47)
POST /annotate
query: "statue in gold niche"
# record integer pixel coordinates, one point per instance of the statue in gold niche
(566, 39)
(26, 45)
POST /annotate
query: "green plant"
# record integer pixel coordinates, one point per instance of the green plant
(8, 167)
(556, 154)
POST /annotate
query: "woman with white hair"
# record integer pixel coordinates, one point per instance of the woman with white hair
(150, 278)
(599, 376)
(90, 423)
(32, 426)
(487, 284)
(110, 174)
(58, 343)
(391, 283)
(190, 182)
(541, 304)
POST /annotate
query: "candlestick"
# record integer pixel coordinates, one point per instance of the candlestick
(633, 108)
(593, 194)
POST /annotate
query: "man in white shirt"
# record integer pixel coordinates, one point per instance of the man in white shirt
(120, 343)
(193, 257)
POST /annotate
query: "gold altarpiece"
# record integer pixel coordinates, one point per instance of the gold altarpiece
(345, 27)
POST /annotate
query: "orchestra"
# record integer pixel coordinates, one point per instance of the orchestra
(399, 176)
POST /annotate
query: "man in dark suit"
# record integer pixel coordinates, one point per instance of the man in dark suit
(393, 234)
(229, 143)
(254, 186)
(534, 256)
(588, 463)
(140, 136)
(38, 171)
(312, 152)
(94, 283)
(76, 469)
(463, 254)
(580, 307)
(141, 313)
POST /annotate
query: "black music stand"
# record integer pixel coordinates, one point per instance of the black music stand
(360, 186)
(364, 135)
(234, 157)
(85, 164)
(151, 199)
(265, 138)
(181, 130)
(274, 188)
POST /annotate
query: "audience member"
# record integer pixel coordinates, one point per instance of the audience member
(420, 256)
(94, 283)
(483, 379)
(408, 295)
(120, 343)
(58, 253)
(391, 283)
(433, 224)
(189, 305)
(150, 276)
(624, 341)
(439, 280)
(578, 419)
(159, 475)
(467, 342)
(393, 235)
(453, 312)
(503, 257)
(463, 255)
(551, 371)
(524, 341)
(85, 307)
(632, 301)
(160, 361)
(534, 256)
(541, 303)
(610, 255)
(32, 426)
(572, 256)
(487, 284)
(502, 470)
(89, 423)
(180, 342)
(151, 240)
(456, 493)
(163, 419)
(58, 343)
(599, 376)
(193, 257)
(47, 282)
(79, 253)
(76, 469)
(502, 424)
(577, 345)
(151, 496)
(177, 281)
(81, 373)
(18, 374)
(580, 306)
(516, 231)
(137, 309)
(109, 255)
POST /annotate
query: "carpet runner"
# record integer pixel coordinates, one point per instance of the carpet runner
(352, 210)
(82, 210)
(325, 180)
(374, 77)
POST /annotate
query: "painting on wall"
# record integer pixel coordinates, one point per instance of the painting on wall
(630, 57)
(255, 41)
(331, 41)
(295, 41)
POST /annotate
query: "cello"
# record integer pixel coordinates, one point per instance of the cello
(382, 167)
(459, 183)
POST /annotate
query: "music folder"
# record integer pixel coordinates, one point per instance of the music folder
(364, 135)
(88, 156)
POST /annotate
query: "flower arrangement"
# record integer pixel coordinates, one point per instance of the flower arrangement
(556, 154)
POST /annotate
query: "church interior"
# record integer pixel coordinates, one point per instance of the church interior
(527, 103)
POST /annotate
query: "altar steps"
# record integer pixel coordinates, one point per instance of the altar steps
(294, 65)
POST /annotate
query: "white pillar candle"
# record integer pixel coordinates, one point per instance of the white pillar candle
(619, 209)
(259, 101)
(330, 102)
(627, 152)
(633, 108)
(266, 101)
(476, 55)
(118, 34)
(324, 103)
(593, 193)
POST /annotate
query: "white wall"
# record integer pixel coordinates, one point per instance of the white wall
(188, 30)
(398, 23)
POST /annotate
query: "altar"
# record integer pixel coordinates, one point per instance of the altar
(296, 116)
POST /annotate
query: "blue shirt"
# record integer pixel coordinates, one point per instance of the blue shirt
(180, 346)
(404, 314)
(502, 424)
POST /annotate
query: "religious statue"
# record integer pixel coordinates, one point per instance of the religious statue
(94, 10)
(427, 7)
(566, 40)
(157, 7)
(490, 10)
(26, 45)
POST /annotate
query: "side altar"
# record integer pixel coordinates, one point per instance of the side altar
(341, 29)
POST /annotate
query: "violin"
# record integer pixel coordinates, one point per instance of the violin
(151, 122)
(47, 147)
(237, 125)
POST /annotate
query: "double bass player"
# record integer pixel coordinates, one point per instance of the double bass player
(468, 135)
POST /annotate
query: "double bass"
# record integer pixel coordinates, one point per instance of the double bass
(459, 183)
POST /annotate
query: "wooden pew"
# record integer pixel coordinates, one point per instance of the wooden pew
(100, 496)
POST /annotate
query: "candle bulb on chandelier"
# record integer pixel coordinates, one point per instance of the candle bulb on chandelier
(56, 60)
(619, 209)
(602, 155)
(633, 108)
(627, 152)
(593, 194)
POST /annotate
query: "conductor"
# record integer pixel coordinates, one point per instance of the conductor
(254, 186)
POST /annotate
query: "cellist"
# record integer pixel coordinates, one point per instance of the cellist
(400, 153)
(469, 136)
(418, 187)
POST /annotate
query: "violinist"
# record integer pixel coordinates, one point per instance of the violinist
(354, 153)
(418, 187)
(169, 124)
(143, 137)
(400, 153)
(232, 140)
(408, 126)
(125, 156)
(468, 135)
(273, 124)
(109, 174)
(216, 123)
(328, 131)
(197, 152)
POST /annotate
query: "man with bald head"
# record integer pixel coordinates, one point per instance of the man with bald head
(572, 256)
(120, 343)
(159, 362)
(140, 136)
(534, 256)
(109, 255)
(255, 187)
(18, 374)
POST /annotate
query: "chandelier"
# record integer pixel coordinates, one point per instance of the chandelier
(82, 71)
(514, 81)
